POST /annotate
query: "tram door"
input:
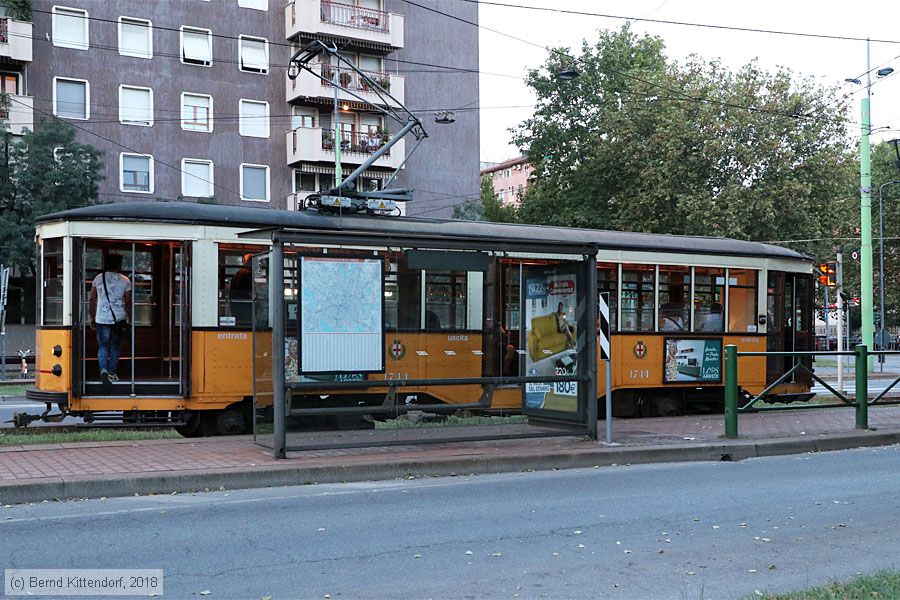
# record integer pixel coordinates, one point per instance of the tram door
(789, 322)
(153, 355)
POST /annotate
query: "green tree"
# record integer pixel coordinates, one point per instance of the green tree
(20, 10)
(44, 171)
(487, 208)
(641, 143)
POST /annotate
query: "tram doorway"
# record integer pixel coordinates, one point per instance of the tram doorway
(152, 361)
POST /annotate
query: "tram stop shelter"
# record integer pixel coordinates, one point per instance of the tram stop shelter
(375, 331)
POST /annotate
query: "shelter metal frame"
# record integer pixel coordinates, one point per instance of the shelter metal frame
(584, 420)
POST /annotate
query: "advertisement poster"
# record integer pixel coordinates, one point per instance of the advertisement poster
(550, 300)
(692, 360)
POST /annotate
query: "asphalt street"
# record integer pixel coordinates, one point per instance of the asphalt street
(692, 530)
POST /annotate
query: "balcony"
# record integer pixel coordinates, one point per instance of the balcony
(15, 40)
(311, 144)
(19, 113)
(324, 17)
(308, 85)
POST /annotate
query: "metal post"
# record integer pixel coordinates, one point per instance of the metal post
(865, 214)
(4, 285)
(839, 268)
(862, 387)
(827, 321)
(276, 276)
(337, 131)
(731, 391)
(590, 349)
(609, 410)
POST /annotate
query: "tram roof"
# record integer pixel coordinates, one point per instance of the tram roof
(263, 218)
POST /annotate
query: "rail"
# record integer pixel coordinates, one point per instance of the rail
(860, 401)
(352, 80)
(363, 143)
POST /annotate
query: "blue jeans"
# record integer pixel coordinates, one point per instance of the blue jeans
(109, 347)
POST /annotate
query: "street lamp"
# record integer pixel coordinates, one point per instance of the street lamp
(568, 74)
(882, 331)
(865, 207)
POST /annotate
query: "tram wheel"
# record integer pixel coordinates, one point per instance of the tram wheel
(230, 422)
(667, 406)
(208, 425)
(191, 428)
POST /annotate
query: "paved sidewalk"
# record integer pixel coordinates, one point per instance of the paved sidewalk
(76, 470)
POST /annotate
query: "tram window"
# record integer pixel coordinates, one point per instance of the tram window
(637, 298)
(741, 300)
(607, 280)
(709, 299)
(141, 278)
(52, 282)
(402, 296)
(235, 285)
(445, 300)
(674, 291)
(511, 297)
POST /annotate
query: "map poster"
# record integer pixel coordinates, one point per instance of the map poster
(550, 301)
(341, 315)
(692, 360)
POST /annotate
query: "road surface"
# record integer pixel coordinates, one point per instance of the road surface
(693, 530)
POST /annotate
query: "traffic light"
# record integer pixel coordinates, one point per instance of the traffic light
(827, 274)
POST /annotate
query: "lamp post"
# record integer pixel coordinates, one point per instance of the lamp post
(865, 207)
(881, 327)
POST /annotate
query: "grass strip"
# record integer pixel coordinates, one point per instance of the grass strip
(14, 389)
(20, 437)
(882, 584)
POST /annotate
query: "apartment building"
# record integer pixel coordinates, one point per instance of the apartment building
(510, 178)
(15, 56)
(189, 99)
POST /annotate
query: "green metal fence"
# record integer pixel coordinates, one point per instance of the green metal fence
(860, 401)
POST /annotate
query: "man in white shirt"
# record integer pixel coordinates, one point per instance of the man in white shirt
(110, 302)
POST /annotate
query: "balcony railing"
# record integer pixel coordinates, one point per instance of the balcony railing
(4, 31)
(362, 143)
(352, 80)
(359, 17)
(4, 106)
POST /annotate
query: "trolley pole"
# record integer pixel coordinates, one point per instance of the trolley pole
(731, 392)
(862, 387)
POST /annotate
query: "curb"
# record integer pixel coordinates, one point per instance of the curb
(290, 474)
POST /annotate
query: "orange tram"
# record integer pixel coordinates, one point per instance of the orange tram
(674, 303)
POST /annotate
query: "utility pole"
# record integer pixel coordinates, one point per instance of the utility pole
(827, 321)
(839, 273)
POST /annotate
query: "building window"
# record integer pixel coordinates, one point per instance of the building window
(254, 54)
(196, 112)
(196, 46)
(255, 182)
(70, 28)
(135, 105)
(136, 173)
(254, 4)
(71, 98)
(254, 119)
(196, 178)
(304, 117)
(9, 83)
(135, 37)
(305, 182)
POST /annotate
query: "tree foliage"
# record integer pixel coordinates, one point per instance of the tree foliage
(487, 208)
(44, 171)
(20, 10)
(638, 142)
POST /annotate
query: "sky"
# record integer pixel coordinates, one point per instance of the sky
(505, 61)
